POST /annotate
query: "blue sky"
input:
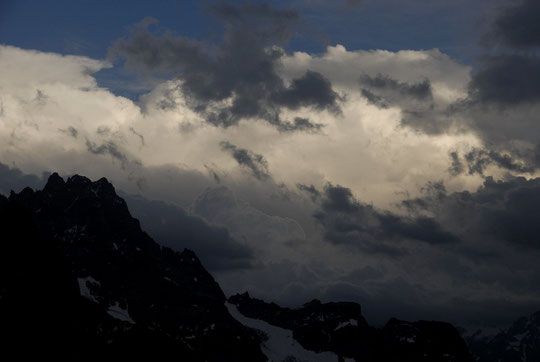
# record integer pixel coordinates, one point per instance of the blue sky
(88, 27)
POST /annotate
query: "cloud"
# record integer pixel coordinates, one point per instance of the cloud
(255, 163)
(419, 91)
(310, 89)
(237, 78)
(499, 210)
(507, 80)
(478, 160)
(171, 226)
(12, 179)
(363, 136)
(271, 237)
(310, 190)
(107, 148)
(377, 158)
(348, 221)
(504, 91)
(516, 25)
(414, 99)
(415, 83)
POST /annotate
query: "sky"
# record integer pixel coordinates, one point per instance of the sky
(384, 152)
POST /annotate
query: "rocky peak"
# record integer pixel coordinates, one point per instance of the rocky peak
(54, 184)
(124, 274)
(339, 327)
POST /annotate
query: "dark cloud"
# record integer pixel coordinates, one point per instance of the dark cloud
(414, 99)
(477, 160)
(499, 210)
(504, 91)
(312, 89)
(348, 221)
(299, 124)
(107, 148)
(506, 80)
(517, 25)
(456, 167)
(13, 179)
(385, 84)
(254, 162)
(141, 137)
(373, 98)
(173, 227)
(310, 190)
(243, 67)
(72, 131)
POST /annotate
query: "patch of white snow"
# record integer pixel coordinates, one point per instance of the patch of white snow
(280, 343)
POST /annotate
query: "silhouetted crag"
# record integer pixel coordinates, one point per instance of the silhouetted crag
(341, 328)
(80, 280)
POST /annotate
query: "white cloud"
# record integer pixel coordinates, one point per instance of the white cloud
(44, 97)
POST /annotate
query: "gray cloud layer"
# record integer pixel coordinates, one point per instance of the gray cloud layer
(243, 67)
(348, 221)
(517, 25)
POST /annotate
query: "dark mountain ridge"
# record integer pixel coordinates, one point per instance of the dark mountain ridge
(341, 328)
(78, 237)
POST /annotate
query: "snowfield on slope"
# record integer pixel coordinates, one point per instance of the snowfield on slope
(280, 344)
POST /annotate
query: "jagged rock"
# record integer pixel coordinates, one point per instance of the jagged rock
(114, 289)
(429, 341)
(340, 328)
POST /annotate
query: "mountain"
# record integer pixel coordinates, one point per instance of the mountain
(519, 343)
(80, 280)
(340, 328)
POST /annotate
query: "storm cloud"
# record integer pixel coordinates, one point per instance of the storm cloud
(255, 163)
(348, 221)
(499, 210)
(243, 139)
(237, 78)
(516, 25)
(171, 226)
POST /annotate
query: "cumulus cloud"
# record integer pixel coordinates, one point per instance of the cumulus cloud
(166, 147)
(237, 78)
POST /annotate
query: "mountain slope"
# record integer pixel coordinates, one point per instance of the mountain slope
(84, 256)
(340, 328)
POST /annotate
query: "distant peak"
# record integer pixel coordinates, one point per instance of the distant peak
(54, 183)
(188, 253)
(78, 180)
(313, 303)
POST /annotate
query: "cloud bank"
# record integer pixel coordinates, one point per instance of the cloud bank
(403, 180)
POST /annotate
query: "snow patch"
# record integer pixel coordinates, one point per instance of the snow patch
(85, 291)
(280, 344)
(119, 313)
(350, 322)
